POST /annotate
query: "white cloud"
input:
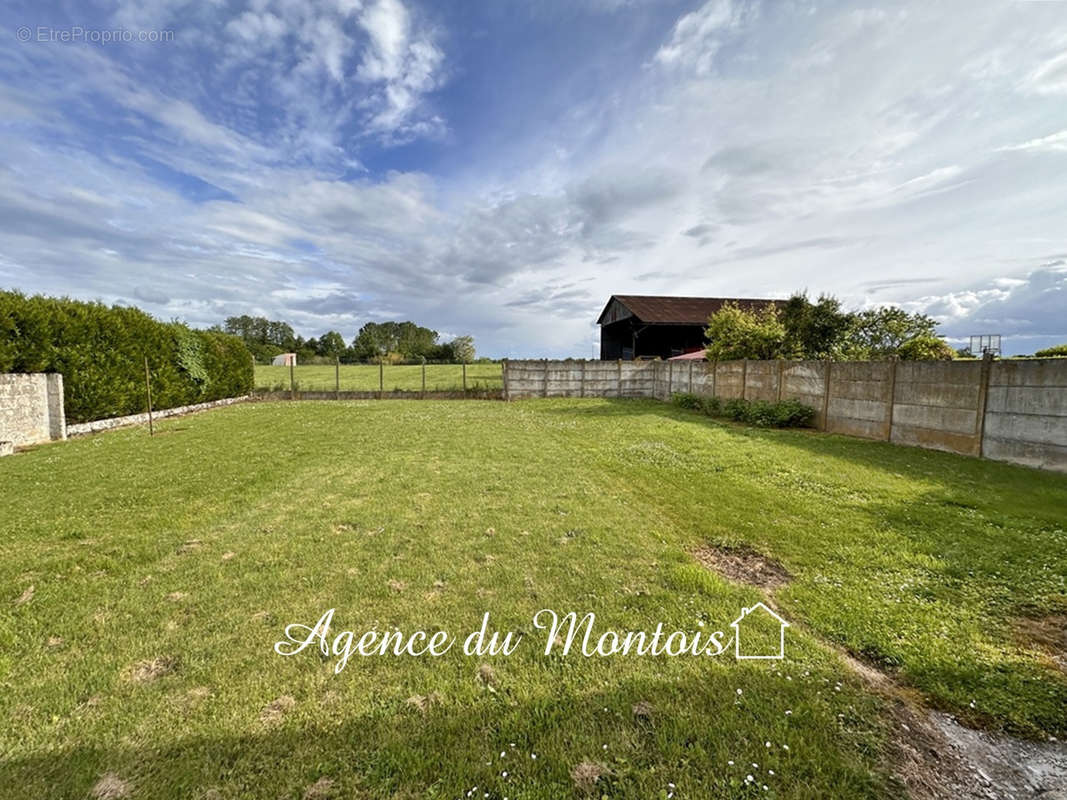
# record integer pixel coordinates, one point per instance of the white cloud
(1053, 143)
(697, 36)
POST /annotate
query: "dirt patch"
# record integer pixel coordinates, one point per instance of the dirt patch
(276, 709)
(424, 702)
(643, 710)
(935, 757)
(1047, 634)
(151, 669)
(586, 776)
(320, 789)
(743, 564)
(26, 596)
(110, 787)
(190, 546)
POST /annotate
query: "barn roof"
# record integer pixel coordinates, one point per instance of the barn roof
(663, 310)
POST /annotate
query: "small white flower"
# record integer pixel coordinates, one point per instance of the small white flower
(739, 691)
(731, 763)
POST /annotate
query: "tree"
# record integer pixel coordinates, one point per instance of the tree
(463, 349)
(926, 348)
(815, 330)
(331, 344)
(735, 333)
(375, 340)
(1052, 352)
(879, 333)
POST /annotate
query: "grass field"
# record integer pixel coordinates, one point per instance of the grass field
(365, 377)
(144, 582)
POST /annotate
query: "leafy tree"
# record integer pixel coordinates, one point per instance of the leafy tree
(463, 349)
(879, 333)
(736, 333)
(1052, 352)
(926, 348)
(331, 344)
(815, 330)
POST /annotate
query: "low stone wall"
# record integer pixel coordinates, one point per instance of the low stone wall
(83, 428)
(1005, 410)
(31, 408)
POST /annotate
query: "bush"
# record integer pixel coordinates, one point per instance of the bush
(1052, 352)
(100, 352)
(786, 414)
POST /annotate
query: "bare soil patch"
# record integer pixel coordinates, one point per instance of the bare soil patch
(276, 709)
(1048, 634)
(744, 565)
(110, 787)
(151, 669)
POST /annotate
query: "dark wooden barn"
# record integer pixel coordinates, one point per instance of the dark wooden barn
(651, 326)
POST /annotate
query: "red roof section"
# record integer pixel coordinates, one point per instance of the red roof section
(660, 309)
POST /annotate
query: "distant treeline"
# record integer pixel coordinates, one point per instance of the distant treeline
(100, 351)
(376, 341)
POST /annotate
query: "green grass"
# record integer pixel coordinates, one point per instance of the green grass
(365, 377)
(428, 514)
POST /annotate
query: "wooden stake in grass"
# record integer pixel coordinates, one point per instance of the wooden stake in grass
(381, 377)
(337, 376)
(148, 395)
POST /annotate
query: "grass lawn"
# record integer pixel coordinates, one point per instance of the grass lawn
(144, 582)
(365, 378)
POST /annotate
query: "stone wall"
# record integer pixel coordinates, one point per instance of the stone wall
(98, 425)
(31, 408)
(1005, 410)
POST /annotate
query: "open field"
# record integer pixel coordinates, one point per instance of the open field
(144, 582)
(364, 377)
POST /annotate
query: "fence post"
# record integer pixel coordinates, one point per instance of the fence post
(618, 388)
(581, 380)
(292, 380)
(826, 395)
(544, 389)
(423, 395)
(464, 378)
(781, 375)
(670, 379)
(148, 396)
(504, 379)
(381, 377)
(983, 400)
(744, 379)
(690, 377)
(337, 377)
(715, 378)
(892, 396)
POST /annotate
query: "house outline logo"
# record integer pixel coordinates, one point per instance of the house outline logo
(736, 625)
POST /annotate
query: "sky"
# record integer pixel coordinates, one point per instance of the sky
(500, 168)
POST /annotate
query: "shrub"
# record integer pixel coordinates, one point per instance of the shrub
(686, 400)
(100, 352)
(786, 414)
(1052, 352)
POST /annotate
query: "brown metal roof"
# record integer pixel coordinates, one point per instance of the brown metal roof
(659, 309)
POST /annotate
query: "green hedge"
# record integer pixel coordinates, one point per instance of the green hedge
(784, 414)
(100, 352)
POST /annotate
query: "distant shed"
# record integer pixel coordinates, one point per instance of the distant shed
(284, 360)
(656, 326)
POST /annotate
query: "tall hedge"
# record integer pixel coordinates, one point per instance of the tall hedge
(100, 352)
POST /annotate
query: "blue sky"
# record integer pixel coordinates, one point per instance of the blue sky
(501, 168)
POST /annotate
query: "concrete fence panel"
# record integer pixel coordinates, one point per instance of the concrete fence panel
(936, 404)
(858, 402)
(1026, 413)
